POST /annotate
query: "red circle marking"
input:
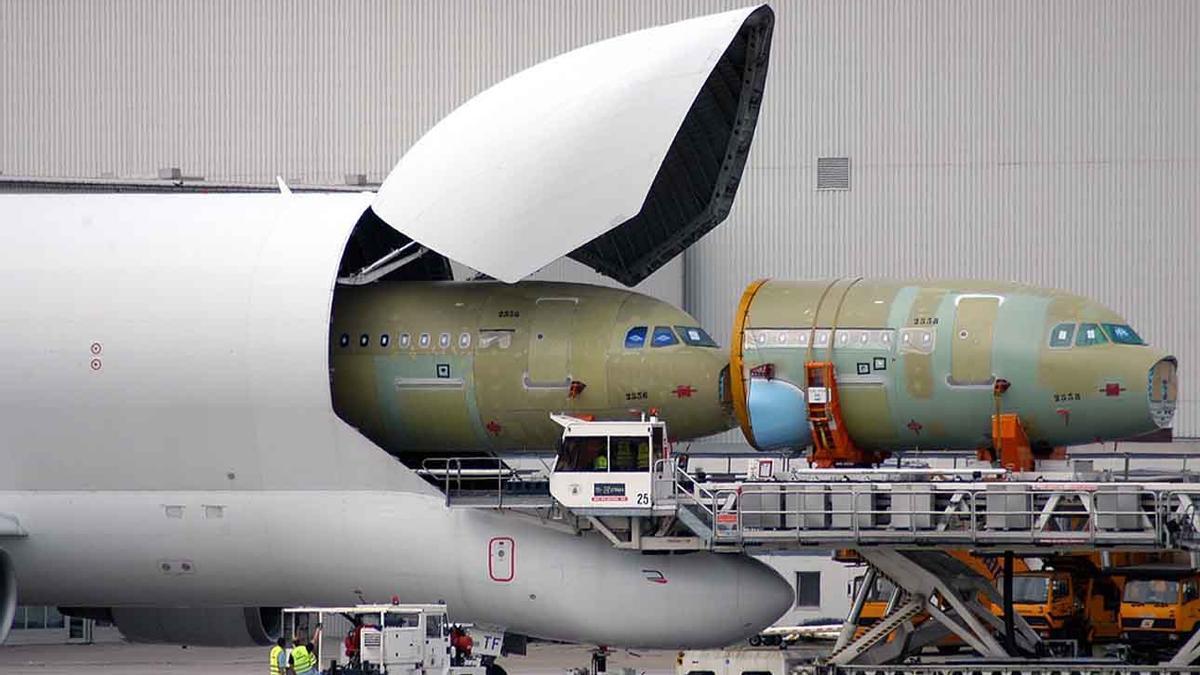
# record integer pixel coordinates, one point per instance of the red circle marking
(96, 364)
(97, 348)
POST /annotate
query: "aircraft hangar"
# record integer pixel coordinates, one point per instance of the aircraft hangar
(1052, 144)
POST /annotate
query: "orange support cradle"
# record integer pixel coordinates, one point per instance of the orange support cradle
(1010, 443)
(832, 445)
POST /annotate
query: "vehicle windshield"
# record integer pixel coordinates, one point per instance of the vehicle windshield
(1031, 590)
(695, 336)
(882, 591)
(1123, 334)
(1151, 591)
(583, 453)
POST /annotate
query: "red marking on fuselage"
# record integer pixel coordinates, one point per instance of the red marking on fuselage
(494, 428)
(685, 391)
(914, 426)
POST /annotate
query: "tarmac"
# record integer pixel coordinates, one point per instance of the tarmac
(131, 659)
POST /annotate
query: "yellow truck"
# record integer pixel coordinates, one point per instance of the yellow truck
(1068, 605)
(1160, 609)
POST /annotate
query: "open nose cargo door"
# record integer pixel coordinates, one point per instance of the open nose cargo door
(620, 154)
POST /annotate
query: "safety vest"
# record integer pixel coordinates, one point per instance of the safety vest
(275, 652)
(601, 463)
(303, 660)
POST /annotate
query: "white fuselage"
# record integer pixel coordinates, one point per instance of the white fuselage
(167, 440)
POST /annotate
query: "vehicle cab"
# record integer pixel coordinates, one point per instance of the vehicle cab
(1051, 602)
(1160, 609)
(611, 467)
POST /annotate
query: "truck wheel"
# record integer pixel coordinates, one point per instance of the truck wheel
(494, 669)
(755, 640)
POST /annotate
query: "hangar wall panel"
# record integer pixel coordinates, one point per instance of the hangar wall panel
(1048, 143)
(1052, 143)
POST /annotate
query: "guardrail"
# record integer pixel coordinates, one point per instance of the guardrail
(949, 512)
(467, 481)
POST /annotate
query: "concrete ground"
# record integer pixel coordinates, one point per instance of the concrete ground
(127, 659)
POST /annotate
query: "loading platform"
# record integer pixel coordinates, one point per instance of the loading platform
(852, 508)
(619, 480)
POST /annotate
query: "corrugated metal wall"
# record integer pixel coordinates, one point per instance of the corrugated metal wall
(1052, 143)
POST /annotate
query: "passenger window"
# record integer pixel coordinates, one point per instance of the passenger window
(663, 337)
(1090, 334)
(1123, 334)
(444, 340)
(364, 340)
(424, 340)
(635, 338)
(344, 340)
(1062, 334)
(404, 340)
(695, 336)
(383, 340)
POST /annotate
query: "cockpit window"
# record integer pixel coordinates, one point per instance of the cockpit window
(635, 338)
(663, 337)
(1123, 334)
(1062, 334)
(1090, 334)
(695, 336)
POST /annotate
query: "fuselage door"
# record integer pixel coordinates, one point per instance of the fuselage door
(971, 350)
(550, 332)
(502, 564)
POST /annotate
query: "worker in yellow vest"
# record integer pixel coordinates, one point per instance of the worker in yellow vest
(279, 657)
(304, 661)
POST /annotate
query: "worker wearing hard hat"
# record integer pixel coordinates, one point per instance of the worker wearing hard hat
(601, 462)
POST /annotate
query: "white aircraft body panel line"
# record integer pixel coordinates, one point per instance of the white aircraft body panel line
(556, 155)
(177, 549)
(176, 342)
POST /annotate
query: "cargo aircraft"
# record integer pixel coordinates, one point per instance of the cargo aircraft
(207, 401)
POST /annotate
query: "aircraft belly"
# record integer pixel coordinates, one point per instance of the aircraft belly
(266, 549)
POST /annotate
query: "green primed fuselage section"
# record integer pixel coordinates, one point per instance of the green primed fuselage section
(451, 366)
(916, 361)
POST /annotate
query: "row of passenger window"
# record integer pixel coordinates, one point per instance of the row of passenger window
(1087, 334)
(424, 340)
(665, 336)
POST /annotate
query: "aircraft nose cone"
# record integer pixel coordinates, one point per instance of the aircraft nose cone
(722, 599)
(1162, 391)
(763, 596)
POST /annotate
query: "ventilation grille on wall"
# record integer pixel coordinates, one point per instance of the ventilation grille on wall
(833, 173)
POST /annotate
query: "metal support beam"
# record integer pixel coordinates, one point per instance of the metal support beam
(1188, 653)
(384, 266)
(1010, 637)
(860, 599)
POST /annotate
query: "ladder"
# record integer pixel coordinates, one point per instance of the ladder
(832, 445)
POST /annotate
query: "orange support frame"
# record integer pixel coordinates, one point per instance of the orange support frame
(832, 445)
(1010, 443)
